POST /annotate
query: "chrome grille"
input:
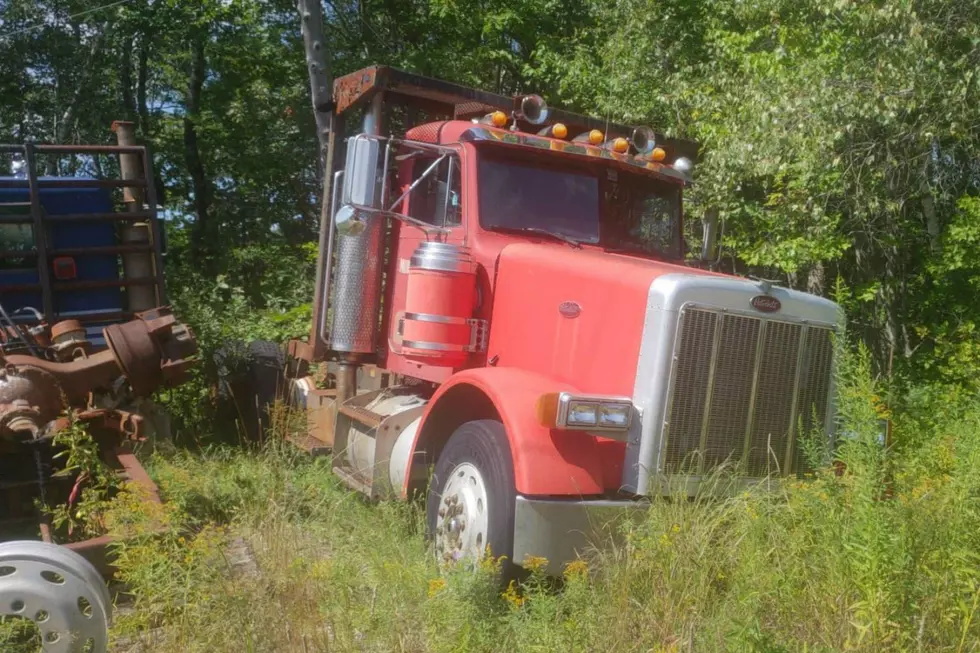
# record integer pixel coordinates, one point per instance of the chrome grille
(740, 386)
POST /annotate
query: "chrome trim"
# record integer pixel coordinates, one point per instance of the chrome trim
(720, 314)
(764, 317)
(478, 336)
(441, 257)
(328, 259)
(653, 391)
(414, 184)
(710, 390)
(671, 382)
(390, 213)
(438, 319)
(756, 367)
(433, 346)
(565, 398)
(449, 192)
(791, 436)
(561, 530)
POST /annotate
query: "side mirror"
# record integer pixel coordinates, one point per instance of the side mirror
(364, 173)
(349, 221)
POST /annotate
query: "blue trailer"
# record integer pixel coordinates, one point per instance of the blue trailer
(77, 247)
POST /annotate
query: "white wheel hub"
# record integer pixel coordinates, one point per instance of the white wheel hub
(462, 522)
(59, 591)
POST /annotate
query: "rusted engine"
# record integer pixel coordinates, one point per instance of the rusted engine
(63, 379)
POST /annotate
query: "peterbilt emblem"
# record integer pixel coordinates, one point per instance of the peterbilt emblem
(569, 309)
(766, 303)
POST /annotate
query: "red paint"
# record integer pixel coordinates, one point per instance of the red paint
(438, 295)
(522, 283)
(546, 461)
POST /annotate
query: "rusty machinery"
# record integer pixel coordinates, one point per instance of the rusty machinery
(64, 378)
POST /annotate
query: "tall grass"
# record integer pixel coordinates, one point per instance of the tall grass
(876, 553)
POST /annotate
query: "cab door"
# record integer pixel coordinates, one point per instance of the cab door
(437, 201)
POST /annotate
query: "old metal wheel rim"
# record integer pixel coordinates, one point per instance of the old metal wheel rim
(58, 590)
(462, 522)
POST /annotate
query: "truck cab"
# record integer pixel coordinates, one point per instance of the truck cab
(518, 273)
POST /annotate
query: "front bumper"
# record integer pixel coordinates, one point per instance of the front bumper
(561, 530)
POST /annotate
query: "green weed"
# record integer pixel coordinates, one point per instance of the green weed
(878, 551)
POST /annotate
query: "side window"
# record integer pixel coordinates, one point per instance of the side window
(437, 197)
(654, 221)
(642, 214)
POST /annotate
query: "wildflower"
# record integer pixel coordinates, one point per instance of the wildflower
(436, 585)
(576, 569)
(535, 563)
(512, 596)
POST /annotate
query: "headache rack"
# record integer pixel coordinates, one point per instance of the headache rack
(78, 247)
(441, 99)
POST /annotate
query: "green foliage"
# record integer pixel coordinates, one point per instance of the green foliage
(19, 635)
(875, 552)
(838, 138)
(95, 482)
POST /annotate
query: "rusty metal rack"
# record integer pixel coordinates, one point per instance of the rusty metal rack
(139, 205)
(95, 549)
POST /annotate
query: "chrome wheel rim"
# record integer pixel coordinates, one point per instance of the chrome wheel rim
(462, 521)
(58, 590)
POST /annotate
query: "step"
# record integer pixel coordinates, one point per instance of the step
(352, 479)
(362, 415)
(310, 445)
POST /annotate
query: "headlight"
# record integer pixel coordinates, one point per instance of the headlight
(581, 413)
(565, 411)
(614, 416)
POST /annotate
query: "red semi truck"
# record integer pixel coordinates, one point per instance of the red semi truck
(518, 275)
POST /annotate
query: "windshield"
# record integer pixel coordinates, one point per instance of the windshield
(515, 195)
(593, 204)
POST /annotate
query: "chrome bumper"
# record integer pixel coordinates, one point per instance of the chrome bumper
(560, 530)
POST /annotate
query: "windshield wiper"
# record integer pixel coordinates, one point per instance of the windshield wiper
(542, 232)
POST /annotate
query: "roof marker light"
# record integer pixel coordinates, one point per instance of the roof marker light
(619, 145)
(594, 137)
(557, 130)
(497, 119)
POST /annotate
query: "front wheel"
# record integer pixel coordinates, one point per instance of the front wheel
(470, 507)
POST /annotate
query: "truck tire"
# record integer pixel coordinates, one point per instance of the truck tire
(264, 381)
(250, 378)
(470, 506)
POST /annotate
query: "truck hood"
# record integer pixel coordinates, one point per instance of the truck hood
(576, 315)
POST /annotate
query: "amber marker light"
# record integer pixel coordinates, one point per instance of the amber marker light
(546, 408)
(620, 145)
(568, 412)
(596, 136)
(558, 130)
(658, 154)
(498, 119)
